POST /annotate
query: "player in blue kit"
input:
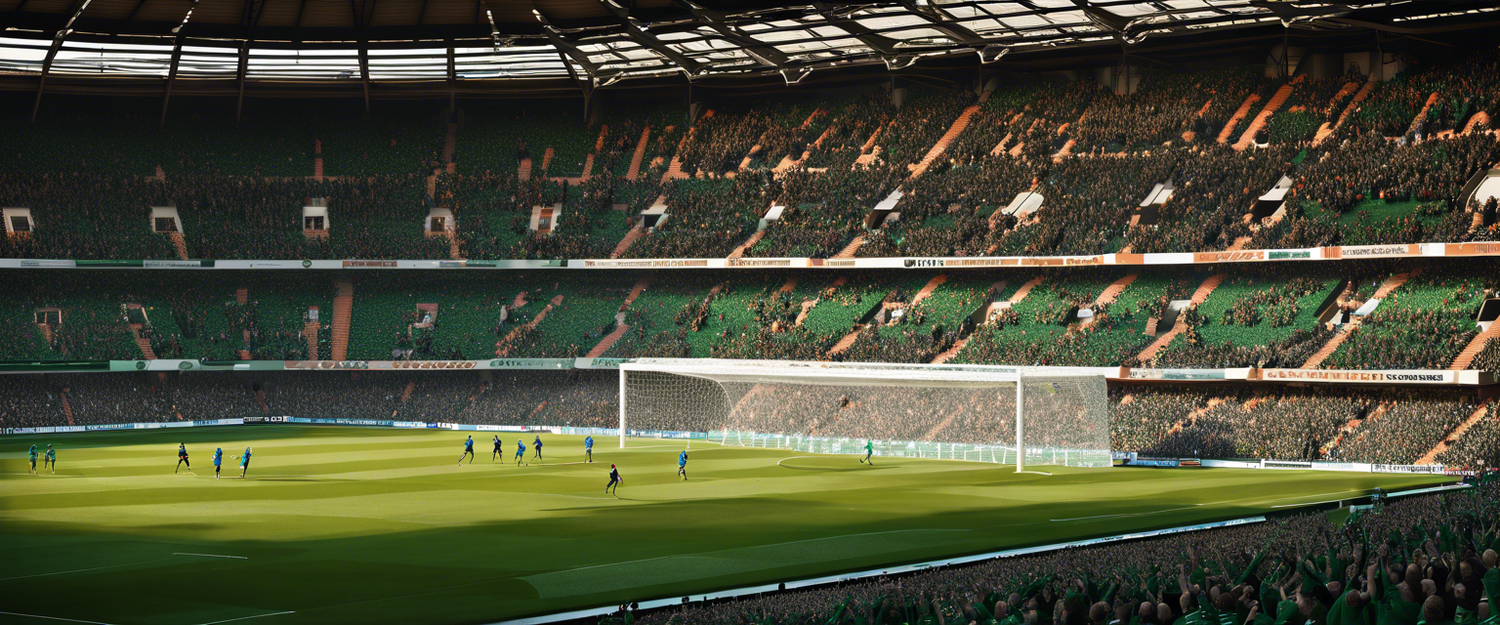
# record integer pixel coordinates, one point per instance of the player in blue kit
(218, 460)
(32, 454)
(520, 452)
(50, 458)
(495, 453)
(182, 457)
(614, 480)
(588, 448)
(682, 464)
(244, 463)
(538, 445)
(468, 451)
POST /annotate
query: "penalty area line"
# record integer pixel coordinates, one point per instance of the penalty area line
(95, 568)
(246, 618)
(54, 618)
(210, 555)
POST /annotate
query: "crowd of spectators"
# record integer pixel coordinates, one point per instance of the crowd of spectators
(1358, 187)
(1424, 559)
(1424, 324)
(1393, 426)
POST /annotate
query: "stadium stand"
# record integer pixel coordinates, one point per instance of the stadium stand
(829, 160)
(1249, 572)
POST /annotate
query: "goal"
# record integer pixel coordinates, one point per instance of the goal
(1003, 415)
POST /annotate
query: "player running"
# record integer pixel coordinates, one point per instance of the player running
(50, 458)
(32, 453)
(244, 463)
(538, 444)
(588, 448)
(218, 459)
(182, 458)
(869, 451)
(520, 452)
(614, 480)
(496, 453)
(682, 464)
(468, 451)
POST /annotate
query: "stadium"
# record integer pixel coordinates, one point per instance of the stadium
(896, 312)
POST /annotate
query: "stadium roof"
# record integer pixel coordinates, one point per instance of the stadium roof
(599, 42)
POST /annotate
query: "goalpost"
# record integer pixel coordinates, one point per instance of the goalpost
(1004, 415)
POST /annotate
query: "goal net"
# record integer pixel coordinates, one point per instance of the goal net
(987, 414)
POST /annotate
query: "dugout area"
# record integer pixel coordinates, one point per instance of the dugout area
(349, 525)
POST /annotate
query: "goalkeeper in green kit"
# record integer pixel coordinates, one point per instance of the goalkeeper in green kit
(869, 451)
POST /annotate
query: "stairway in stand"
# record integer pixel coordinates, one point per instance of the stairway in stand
(928, 288)
(310, 335)
(1466, 357)
(141, 342)
(1239, 114)
(1326, 130)
(1458, 432)
(949, 353)
(620, 327)
(1204, 290)
(523, 172)
(179, 244)
(852, 248)
(343, 308)
(631, 237)
(844, 343)
(1391, 284)
(318, 160)
(1110, 294)
(1416, 122)
(502, 347)
(1265, 114)
(640, 153)
(67, 407)
(942, 143)
(739, 251)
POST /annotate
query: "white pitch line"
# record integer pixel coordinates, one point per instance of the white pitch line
(210, 555)
(66, 572)
(1080, 518)
(246, 618)
(54, 618)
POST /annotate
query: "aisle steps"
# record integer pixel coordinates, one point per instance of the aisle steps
(1391, 284)
(1201, 294)
(640, 153)
(1327, 130)
(1239, 114)
(310, 335)
(943, 142)
(1416, 122)
(1273, 105)
(343, 309)
(1458, 432)
(1466, 357)
(852, 248)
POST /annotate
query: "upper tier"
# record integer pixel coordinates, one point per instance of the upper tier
(1190, 162)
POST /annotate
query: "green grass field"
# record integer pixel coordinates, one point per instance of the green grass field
(347, 525)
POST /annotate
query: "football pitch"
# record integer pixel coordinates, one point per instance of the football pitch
(352, 525)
